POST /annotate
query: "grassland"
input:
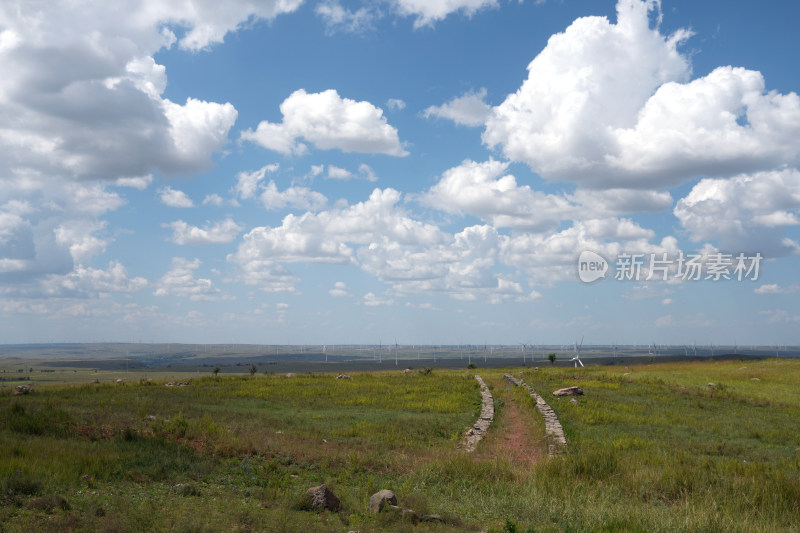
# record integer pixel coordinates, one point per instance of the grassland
(651, 448)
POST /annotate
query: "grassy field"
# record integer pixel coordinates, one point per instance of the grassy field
(651, 448)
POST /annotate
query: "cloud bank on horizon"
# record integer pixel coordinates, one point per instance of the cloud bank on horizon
(138, 203)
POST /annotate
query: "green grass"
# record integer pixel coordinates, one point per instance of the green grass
(654, 450)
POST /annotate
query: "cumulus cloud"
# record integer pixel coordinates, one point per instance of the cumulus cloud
(136, 182)
(460, 267)
(247, 183)
(395, 104)
(93, 280)
(80, 237)
(16, 237)
(486, 191)
(428, 12)
(365, 172)
(466, 110)
(611, 105)
(213, 199)
(217, 233)
(372, 300)
(550, 257)
(748, 213)
(174, 198)
(293, 197)
(82, 109)
(481, 189)
(774, 288)
(623, 201)
(328, 122)
(328, 236)
(180, 281)
(49, 225)
(93, 107)
(339, 290)
(338, 18)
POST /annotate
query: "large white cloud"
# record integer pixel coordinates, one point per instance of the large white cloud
(325, 237)
(49, 225)
(486, 191)
(328, 121)
(611, 105)
(81, 93)
(482, 189)
(461, 267)
(748, 213)
(81, 99)
(329, 236)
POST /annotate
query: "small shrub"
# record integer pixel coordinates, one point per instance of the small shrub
(551, 357)
(509, 526)
(20, 484)
(472, 365)
(187, 489)
(302, 502)
(178, 425)
(50, 503)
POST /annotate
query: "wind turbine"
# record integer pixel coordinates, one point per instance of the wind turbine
(523, 346)
(577, 358)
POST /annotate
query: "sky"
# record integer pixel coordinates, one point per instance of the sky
(418, 171)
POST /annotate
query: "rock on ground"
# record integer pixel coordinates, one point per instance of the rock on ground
(568, 391)
(23, 389)
(379, 500)
(323, 498)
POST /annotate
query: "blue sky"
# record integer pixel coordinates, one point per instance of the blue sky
(320, 172)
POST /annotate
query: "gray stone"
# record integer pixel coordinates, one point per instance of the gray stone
(323, 498)
(557, 442)
(23, 389)
(481, 426)
(431, 518)
(342, 376)
(568, 391)
(379, 500)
